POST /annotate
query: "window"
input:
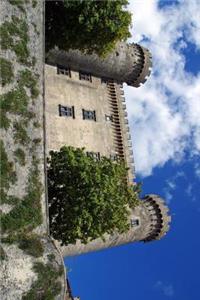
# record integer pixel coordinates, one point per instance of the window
(109, 118)
(95, 155)
(135, 222)
(85, 76)
(89, 114)
(63, 70)
(104, 80)
(114, 157)
(66, 111)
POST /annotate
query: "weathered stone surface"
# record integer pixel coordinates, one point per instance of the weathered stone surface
(17, 274)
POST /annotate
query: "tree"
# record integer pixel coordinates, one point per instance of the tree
(90, 26)
(87, 197)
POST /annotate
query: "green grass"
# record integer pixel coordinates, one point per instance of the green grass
(20, 156)
(27, 213)
(6, 71)
(46, 286)
(27, 79)
(8, 199)
(14, 36)
(32, 246)
(8, 175)
(20, 133)
(4, 120)
(15, 101)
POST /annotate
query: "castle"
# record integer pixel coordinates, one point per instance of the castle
(85, 107)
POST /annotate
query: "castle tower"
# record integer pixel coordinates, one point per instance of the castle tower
(129, 63)
(148, 221)
(85, 108)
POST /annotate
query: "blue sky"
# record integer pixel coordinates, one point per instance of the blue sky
(164, 117)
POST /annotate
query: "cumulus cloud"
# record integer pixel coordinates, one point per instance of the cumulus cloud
(164, 113)
(166, 288)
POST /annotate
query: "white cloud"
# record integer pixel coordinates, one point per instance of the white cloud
(166, 288)
(164, 113)
(170, 187)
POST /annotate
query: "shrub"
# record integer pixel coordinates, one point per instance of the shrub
(32, 246)
(6, 71)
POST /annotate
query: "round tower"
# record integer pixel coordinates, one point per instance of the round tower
(129, 63)
(148, 221)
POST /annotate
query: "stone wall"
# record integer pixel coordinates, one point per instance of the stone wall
(26, 249)
(109, 138)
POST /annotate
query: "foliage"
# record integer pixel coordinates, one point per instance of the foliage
(20, 133)
(20, 155)
(6, 71)
(14, 101)
(28, 80)
(46, 286)
(101, 24)
(87, 197)
(14, 36)
(32, 246)
(8, 175)
(26, 213)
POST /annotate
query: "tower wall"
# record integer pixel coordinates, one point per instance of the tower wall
(148, 221)
(130, 63)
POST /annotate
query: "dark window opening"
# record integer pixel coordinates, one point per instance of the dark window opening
(66, 111)
(114, 157)
(89, 115)
(95, 155)
(63, 70)
(135, 222)
(85, 76)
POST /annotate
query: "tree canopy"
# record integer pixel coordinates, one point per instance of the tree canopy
(90, 26)
(87, 197)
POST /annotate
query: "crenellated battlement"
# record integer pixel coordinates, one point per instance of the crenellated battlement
(159, 218)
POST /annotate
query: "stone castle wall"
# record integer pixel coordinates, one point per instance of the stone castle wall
(109, 138)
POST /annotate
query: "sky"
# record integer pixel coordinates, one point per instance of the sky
(164, 118)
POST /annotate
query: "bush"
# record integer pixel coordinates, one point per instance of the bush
(32, 246)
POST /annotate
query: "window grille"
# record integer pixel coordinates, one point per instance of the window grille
(66, 111)
(135, 222)
(95, 155)
(85, 76)
(89, 115)
(63, 70)
(114, 157)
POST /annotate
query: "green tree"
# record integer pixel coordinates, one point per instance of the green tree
(87, 197)
(90, 26)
